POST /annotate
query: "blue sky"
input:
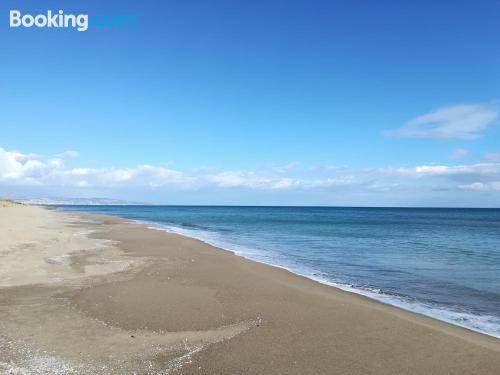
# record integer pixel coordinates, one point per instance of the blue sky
(263, 102)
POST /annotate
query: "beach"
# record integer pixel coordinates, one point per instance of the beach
(94, 294)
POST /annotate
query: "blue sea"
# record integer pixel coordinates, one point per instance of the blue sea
(439, 262)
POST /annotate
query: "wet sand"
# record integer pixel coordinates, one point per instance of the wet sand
(91, 294)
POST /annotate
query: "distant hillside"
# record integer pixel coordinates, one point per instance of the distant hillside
(8, 203)
(77, 201)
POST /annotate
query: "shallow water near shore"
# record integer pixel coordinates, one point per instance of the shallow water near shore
(444, 263)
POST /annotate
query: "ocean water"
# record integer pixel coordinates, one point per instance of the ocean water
(444, 263)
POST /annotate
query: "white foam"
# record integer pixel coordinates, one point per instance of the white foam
(29, 361)
(486, 324)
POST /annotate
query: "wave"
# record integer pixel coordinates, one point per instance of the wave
(486, 324)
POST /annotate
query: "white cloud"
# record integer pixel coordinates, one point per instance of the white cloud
(471, 177)
(255, 180)
(482, 186)
(24, 169)
(142, 175)
(15, 165)
(18, 169)
(492, 156)
(287, 167)
(472, 169)
(485, 169)
(457, 122)
(68, 154)
(252, 180)
(459, 153)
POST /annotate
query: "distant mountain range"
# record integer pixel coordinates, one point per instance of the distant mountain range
(78, 201)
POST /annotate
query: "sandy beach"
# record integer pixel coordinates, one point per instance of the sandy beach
(89, 294)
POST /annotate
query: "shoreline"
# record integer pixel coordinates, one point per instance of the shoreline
(386, 299)
(340, 287)
(202, 309)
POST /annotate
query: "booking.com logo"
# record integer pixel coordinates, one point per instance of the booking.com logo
(59, 19)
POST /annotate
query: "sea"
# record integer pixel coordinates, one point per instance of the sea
(439, 262)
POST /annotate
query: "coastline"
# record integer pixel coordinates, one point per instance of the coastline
(375, 295)
(200, 309)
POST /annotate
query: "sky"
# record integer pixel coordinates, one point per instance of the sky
(342, 103)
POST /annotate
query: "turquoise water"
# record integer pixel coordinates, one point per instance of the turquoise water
(443, 263)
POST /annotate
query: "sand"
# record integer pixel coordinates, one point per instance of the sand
(87, 294)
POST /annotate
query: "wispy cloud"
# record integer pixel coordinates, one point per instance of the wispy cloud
(287, 167)
(465, 122)
(266, 181)
(459, 153)
(492, 156)
(485, 169)
(67, 154)
(482, 186)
